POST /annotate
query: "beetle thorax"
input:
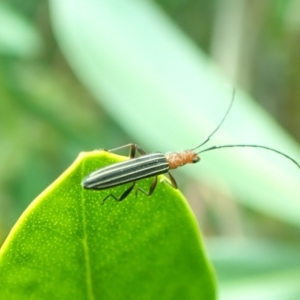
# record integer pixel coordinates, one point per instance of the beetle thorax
(178, 159)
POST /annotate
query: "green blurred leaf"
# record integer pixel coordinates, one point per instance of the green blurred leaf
(68, 245)
(256, 269)
(154, 77)
(17, 36)
(277, 286)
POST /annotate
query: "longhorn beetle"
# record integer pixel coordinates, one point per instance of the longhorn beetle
(152, 165)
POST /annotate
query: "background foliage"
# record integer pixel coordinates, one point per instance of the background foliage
(48, 116)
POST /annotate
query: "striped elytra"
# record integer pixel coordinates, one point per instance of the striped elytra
(128, 171)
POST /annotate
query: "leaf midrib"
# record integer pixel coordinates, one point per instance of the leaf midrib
(86, 248)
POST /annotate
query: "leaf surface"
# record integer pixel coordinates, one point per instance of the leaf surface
(67, 245)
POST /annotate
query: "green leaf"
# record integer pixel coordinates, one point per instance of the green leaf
(67, 245)
(167, 94)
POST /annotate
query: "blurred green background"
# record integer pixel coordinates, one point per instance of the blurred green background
(77, 76)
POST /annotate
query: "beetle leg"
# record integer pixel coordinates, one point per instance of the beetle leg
(133, 148)
(123, 196)
(172, 181)
(151, 189)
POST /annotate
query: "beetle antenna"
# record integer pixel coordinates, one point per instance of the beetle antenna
(251, 146)
(228, 109)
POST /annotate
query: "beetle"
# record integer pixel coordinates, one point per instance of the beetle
(152, 165)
